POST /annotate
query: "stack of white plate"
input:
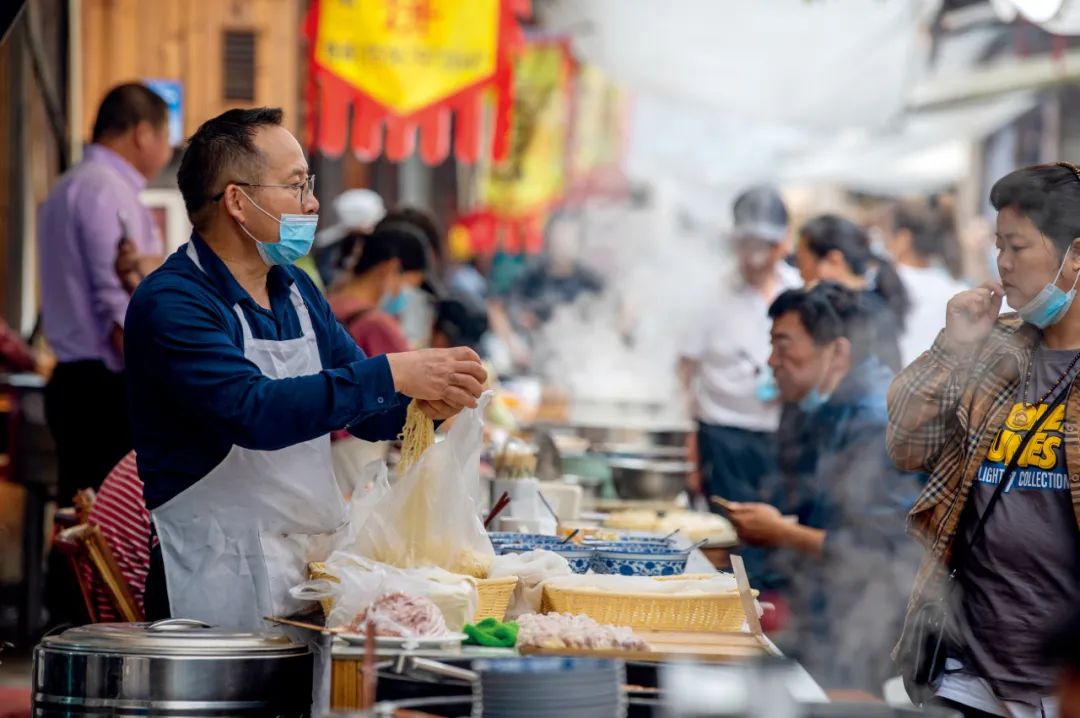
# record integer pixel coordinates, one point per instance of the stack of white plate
(549, 687)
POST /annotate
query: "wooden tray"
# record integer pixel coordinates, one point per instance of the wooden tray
(673, 645)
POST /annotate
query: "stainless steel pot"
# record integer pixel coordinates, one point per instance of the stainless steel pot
(660, 435)
(177, 667)
(642, 451)
(647, 479)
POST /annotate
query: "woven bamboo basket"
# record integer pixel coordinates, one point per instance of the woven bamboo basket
(493, 594)
(715, 612)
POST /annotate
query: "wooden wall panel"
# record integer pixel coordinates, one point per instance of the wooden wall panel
(127, 40)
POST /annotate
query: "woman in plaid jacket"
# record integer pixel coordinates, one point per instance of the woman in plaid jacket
(961, 412)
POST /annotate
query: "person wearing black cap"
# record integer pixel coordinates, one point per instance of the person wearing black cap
(723, 362)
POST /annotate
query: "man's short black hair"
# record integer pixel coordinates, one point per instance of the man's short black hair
(1048, 195)
(828, 312)
(422, 225)
(222, 150)
(412, 246)
(372, 249)
(928, 228)
(125, 106)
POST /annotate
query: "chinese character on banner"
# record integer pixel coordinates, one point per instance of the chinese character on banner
(405, 67)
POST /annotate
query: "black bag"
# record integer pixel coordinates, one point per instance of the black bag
(925, 646)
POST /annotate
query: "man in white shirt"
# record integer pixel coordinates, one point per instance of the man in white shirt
(723, 361)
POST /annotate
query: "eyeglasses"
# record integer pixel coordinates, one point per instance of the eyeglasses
(304, 189)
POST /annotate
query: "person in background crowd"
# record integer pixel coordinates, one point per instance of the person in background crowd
(558, 278)
(917, 243)
(833, 248)
(414, 305)
(723, 362)
(723, 359)
(80, 226)
(847, 554)
(460, 322)
(960, 412)
(376, 277)
(358, 211)
(465, 277)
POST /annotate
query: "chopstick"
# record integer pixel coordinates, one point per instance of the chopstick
(302, 624)
(570, 538)
(497, 508)
(548, 507)
(370, 676)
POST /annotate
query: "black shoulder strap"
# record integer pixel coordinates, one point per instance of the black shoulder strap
(964, 548)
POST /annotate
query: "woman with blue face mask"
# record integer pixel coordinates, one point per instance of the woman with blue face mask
(990, 411)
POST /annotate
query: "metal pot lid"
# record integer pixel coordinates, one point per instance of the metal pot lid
(175, 636)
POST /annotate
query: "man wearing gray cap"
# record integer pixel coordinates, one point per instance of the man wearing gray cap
(723, 360)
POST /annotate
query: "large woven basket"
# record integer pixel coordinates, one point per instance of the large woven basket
(708, 612)
(493, 594)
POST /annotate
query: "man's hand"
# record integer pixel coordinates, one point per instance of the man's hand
(452, 377)
(759, 524)
(127, 266)
(438, 410)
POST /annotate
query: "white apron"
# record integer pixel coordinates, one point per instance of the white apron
(238, 539)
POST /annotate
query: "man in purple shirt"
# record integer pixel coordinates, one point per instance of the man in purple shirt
(81, 223)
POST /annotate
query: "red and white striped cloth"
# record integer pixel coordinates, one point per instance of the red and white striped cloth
(121, 514)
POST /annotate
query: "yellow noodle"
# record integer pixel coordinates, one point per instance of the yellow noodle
(417, 435)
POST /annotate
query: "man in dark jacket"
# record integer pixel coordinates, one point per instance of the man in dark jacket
(848, 599)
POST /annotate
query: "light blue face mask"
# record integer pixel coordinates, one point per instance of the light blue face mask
(816, 398)
(766, 390)
(1050, 305)
(394, 304)
(296, 234)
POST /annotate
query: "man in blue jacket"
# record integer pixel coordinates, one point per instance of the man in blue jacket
(848, 599)
(238, 372)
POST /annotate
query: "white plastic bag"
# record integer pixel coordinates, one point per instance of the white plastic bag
(532, 568)
(360, 582)
(431, 515)
(372, 486)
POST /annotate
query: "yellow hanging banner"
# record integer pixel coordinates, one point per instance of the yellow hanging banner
(533, 175)
(407, 55)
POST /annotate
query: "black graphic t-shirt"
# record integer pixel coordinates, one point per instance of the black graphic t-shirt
(1022, 576)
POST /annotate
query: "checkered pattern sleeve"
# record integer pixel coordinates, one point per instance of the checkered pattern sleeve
(922, 402)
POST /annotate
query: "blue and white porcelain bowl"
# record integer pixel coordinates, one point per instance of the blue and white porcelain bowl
(504, 537)
(636, 563)
(580, 559)
(632, 547)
